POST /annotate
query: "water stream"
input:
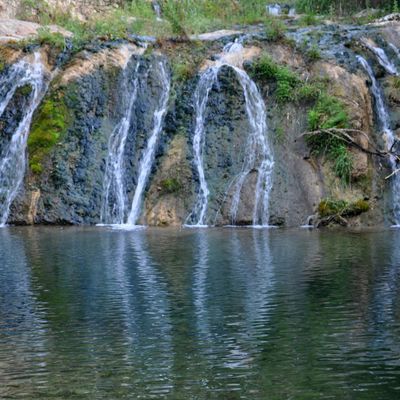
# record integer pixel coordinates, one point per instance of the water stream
(13, 157)
(147, 160)
(114, 197)
(114, 190)
(388, 135)
(383, 59)
(258, 154)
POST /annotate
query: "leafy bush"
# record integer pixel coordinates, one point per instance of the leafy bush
(328, 113)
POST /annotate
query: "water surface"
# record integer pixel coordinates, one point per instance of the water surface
(199, 314)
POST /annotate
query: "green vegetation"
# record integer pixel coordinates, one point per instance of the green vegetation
(395, 82)
(289, 86)
(49, 126)
(182, 70)
(308, 20)
(275, 29)
(266, 69)
(25, 90)
(328, 113)
(340, 7)
(54, 39)
(170, 185)
(313, 54)
(331, 207)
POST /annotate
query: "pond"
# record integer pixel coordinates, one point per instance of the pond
(96, 313)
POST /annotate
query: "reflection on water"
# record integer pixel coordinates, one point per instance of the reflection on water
(202, 314)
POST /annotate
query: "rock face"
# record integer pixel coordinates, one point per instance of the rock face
(64, 183)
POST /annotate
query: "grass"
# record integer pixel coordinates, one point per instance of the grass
(170, 185)
(313, 53)
(331, 207)
(275, 29)
(327, 113)
(265, 69)
(181, 18)
(308, 20)
(289, 86)
(54, 39)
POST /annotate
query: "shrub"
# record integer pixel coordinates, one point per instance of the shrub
(275, 29)
(309, 91)
(328, 113)
(330, 207)
(286, 80)
(313, 54)
(308, 20)
(54, 39)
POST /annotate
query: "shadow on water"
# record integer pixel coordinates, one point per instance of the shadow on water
(206, 314)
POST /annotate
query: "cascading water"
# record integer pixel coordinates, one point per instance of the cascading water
(389, 138)
(13, 157)
(395, 49)
(258, 150)
(149, 153)
(274, 9)
(383, 59)
(114, 190)
(114, 195)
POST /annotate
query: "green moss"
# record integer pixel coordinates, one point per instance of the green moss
(331, 207)
(48, 127)
(170, 185)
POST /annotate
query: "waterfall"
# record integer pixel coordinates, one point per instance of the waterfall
(114, 189)
(258, 150)
(395, 49)
(157, 9)
(13, 157)
(114, 196)
(383, 59)
(274, 9)
(148, 157)
(389, 138)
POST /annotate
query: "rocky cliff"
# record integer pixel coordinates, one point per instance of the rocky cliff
(312, 72)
